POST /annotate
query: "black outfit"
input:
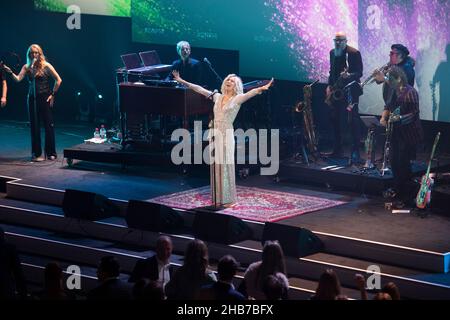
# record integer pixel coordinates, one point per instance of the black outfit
(147, 269)
(189, 70)
(350, 59)
(111, 289)
(406, 135)
(11, 274)
(39, 109)
(220, 291)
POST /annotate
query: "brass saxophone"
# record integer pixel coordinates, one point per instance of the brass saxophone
(336, 90)
(306, 107)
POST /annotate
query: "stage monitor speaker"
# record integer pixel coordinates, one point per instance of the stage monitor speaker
(88, 205)
(220, 228)
(296, 242)
(155, 217)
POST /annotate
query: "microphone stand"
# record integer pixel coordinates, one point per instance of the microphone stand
(213, 164)
(218, 78)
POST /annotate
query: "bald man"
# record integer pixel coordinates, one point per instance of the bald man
(345, 63)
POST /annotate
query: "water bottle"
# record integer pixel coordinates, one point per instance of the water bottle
(102, 132)
(97, 133)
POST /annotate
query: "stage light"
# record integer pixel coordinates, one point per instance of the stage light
(79, 93)
(100, 96)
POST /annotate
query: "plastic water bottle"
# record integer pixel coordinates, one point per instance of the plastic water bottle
(102, 132)
(97, 133)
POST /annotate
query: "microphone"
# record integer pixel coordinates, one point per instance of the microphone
(212, 93)
(207, 61)
(32, 64)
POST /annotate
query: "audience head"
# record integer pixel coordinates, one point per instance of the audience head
(329, 286)
(196, 259)
(227, 268)
(274, 287)
(382, 296)
(164, 248)
(392, 290)
(53, 276)
(109, 267)
(273, 257)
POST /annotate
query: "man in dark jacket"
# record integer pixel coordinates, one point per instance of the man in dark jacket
(343, 93)
(157, 267)
(223, 289)
(111, 287)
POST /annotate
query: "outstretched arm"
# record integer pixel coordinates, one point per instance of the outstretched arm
(240, 99)
(18, 77)
(196, 88)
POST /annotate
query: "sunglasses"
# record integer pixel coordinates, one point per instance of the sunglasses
(392, 53)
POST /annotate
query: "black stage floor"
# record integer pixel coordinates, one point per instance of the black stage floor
(362, 217)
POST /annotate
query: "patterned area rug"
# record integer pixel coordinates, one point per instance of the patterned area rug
(253, 203)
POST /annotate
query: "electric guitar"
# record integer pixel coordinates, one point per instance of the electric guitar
(424, 195)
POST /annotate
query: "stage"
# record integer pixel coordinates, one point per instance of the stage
(356, 233)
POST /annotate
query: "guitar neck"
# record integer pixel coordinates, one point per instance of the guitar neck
(433, 150)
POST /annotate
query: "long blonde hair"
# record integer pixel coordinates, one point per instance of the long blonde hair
(40, 62)
(238, 88)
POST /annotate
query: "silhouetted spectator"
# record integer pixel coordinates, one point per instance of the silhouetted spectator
(329, 287)
(111, 287)
(223, 289)
(157, 267)
(145, 289)
(189, 278)
(53, 284)
(272, 262)
(12, 280)
(274, 287)
(382, 296)
(361, 285)
(391, 289)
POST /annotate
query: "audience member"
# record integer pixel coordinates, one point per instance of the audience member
(111, 287)
(189, 278)
(223, 289)
(272, 262)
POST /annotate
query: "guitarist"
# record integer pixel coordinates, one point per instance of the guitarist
(407, 133)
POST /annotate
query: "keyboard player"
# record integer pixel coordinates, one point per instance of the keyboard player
(189, 68)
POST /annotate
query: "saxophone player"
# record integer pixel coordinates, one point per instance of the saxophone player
(345, 67)
(406, 135)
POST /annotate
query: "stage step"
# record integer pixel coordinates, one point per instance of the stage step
(16, 211)
(246, 252)
(70, 250)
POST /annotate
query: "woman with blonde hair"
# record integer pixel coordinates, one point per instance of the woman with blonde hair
(226, 107)
(41, 98)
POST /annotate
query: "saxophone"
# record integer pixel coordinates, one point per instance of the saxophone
(336, 90)
(306, 107)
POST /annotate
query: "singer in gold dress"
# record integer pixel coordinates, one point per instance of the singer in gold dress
(226, 107)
